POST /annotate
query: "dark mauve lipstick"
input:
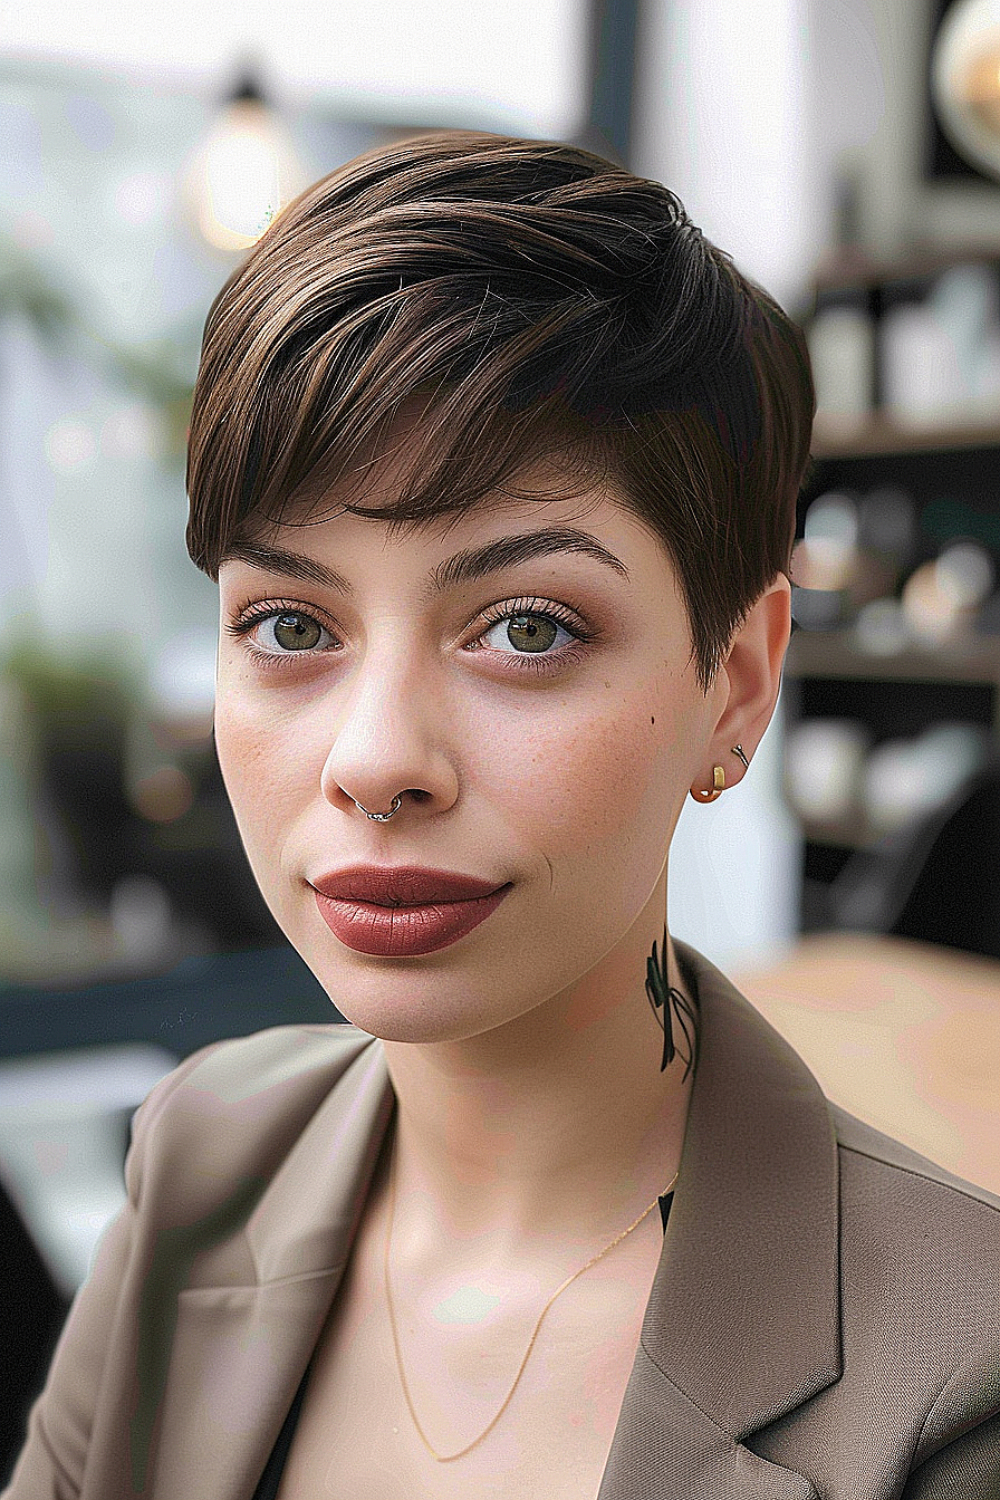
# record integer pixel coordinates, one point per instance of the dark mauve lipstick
(403, 910)
(402, 885)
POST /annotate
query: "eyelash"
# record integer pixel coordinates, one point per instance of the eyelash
(539, 663)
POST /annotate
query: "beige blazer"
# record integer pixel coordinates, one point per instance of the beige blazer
(824, 1322)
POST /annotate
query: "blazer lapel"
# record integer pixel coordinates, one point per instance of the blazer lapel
(237, 1357)
(743, 1320)
(666, 1448)
(237, 1352)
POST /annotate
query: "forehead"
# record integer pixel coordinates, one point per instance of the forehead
(564, 499)
(325, 544)
(423, 460)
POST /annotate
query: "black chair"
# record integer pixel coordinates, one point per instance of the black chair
(202, 1000)
(32, 1313)
(935, 881)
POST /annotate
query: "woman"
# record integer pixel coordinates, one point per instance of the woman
(496, 459)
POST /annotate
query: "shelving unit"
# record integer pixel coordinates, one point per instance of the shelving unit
(826, 677)
(827, 674)
(951, 468)
(830, 654)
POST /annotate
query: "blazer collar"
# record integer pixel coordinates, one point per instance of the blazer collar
(743, 1319)
(744, 1313)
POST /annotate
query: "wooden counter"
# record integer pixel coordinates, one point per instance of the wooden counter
(905, 1035)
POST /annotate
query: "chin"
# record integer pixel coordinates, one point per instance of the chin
(402, 1000)
(417, 1024)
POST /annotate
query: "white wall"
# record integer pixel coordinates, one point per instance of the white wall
(522, 60)
(726, 117)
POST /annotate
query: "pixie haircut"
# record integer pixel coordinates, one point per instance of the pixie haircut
(534, 304)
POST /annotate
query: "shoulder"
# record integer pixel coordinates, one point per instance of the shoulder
(877, 1158)
(275, 1064)
(920, 1268)
(917, 1224)
(892, 1193)
(233, 1109)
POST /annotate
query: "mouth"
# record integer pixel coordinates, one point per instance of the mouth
(407, 929)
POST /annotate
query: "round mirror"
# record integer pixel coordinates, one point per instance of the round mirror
(965, 81)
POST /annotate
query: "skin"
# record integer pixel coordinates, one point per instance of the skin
(534, 1122)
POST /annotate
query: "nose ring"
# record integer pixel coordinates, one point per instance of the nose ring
(397, 803)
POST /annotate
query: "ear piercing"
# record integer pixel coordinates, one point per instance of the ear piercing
(718, 786)
(719, 779)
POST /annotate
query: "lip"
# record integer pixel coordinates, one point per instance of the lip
(402, 885)
(405, 931)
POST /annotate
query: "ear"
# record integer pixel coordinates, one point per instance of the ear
(749, 680)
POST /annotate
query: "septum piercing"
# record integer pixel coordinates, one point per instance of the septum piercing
(397, 803)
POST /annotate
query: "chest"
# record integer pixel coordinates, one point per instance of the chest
(356, 1434)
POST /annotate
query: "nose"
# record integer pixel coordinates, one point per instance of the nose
(387, 741)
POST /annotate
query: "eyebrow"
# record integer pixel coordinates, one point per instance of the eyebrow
(464, 567)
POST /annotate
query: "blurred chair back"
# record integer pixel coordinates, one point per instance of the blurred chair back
(937, 880)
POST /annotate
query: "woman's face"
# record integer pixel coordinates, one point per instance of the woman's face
(557, 764)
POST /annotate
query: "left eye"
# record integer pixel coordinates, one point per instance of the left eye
(530, 631)
(290, 631)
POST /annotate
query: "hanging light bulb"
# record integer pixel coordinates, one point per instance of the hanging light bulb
(965, 81)
(244, 173)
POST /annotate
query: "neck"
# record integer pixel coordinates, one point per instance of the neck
(557, 1128)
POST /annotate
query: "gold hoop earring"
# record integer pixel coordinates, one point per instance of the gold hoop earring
(718, 787)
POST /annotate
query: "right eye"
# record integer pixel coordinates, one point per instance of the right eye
(293, 631)
(284, 632)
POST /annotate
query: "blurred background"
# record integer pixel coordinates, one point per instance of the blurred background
(847, 154)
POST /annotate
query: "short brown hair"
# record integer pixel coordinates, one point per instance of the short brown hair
(540, 302)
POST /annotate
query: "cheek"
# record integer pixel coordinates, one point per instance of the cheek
(264, 764)
(238, 743)
(606, 777)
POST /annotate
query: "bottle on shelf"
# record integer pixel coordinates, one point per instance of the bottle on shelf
(841, 339)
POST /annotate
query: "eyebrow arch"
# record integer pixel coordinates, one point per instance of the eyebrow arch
(464, 567)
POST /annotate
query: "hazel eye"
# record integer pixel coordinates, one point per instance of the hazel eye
(290, 631)
(530, 628)
(534, 632)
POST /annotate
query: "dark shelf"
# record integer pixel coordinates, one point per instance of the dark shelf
(895, 696)
(880, 435)
(202, 1000)
(846, 833)
(833, 654)
(862, 269)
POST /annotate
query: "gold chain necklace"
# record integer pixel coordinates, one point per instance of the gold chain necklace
(446, 1458)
